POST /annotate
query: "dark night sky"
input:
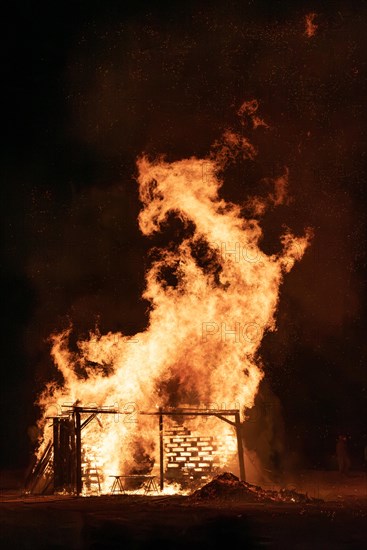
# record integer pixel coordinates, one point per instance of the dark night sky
(88, 87)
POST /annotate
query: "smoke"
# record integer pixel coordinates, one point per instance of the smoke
(270, 458)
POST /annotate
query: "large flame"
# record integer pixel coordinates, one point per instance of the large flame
(212, 296)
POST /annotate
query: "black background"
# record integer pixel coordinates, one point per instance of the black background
(91, 85)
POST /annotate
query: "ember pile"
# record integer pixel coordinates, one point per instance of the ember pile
(228, 487)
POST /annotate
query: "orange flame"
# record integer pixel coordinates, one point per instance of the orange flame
(206, 323)
(248, 110)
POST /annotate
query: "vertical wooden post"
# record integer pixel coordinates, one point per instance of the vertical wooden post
(161, 459)
(241, 460)
(56, 449)
(78, 450)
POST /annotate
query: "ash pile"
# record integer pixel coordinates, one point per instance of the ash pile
(228, 487)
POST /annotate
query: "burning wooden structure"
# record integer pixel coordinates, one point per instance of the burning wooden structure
(213, 294)
(60, 468)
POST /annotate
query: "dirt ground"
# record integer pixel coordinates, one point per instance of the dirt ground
(178, 522)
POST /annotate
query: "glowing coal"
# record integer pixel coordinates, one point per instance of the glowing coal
(227, 487)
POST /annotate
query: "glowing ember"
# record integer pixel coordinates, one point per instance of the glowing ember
(311, 26)
(227, 487)
(212, 296)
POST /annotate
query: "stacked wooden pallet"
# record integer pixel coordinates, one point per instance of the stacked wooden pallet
(190, 455)
(91, 479)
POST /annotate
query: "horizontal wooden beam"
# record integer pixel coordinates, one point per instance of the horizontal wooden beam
(193, 412)
(178, 412)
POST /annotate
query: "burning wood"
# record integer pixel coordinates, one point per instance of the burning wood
(228, 487)
(194, 457)
(213, 297)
